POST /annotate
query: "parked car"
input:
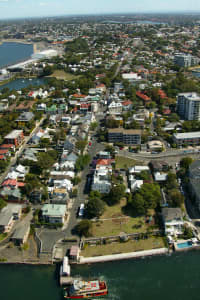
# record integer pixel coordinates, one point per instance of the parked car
(81, 210)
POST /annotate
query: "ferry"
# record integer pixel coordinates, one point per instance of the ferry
(80, 289)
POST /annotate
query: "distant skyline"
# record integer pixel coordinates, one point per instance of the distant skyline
(42, 8)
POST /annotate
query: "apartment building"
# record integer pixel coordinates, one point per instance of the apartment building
(188, 138)
(128, 137)
(188, 106)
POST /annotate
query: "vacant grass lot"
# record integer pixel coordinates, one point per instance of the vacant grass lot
(130, 246)
(125, 162)
(114, 221)
(59, 74)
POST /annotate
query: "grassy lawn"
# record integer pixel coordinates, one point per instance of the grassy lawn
(115, 210)
(125, 162)
(118, 222)
(130, 246)
(115, 226)
(59, 74)
(3, 236)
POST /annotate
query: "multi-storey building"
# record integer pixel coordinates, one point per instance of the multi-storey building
(128, 137)
(188, 106)
(185, 60)
(189, 138)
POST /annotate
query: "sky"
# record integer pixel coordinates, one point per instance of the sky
(39, 8)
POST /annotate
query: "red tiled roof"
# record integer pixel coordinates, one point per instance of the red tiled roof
(30, 94)
(126, 103)
(3, 151)
(7, 146)
(166, 111)
(103, 162)
(78, 96)
(2, 157)
(85, 105)
(143, 96)
(162, 94)
(12, 182)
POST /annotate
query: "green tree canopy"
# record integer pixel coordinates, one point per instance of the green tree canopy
(148, 196)
(95, 208)
(84, 228)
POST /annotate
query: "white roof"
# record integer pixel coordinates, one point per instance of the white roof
(187, 135)
(138, 169)
(13, 134)
(160, 176)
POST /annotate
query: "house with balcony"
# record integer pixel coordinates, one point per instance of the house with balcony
(173, 221)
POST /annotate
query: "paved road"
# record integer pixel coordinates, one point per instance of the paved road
(50, 237)
(162, 155)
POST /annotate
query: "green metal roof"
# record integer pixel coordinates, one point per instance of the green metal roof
(54, 209)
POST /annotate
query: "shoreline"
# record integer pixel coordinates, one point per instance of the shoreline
(122, 256)
(15, 41)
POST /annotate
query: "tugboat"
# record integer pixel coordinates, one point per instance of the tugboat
(85, 289)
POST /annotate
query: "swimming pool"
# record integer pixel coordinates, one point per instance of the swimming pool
(184, 245)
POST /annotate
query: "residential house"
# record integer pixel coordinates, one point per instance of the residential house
(54, 213)
(173, 221)
(15, 137)
(20, 235)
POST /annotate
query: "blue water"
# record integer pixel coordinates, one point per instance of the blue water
(164, 277)
(19, 84)
(184, 245)
(11, 53)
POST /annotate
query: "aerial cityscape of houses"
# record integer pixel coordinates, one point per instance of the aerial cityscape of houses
(106, 149)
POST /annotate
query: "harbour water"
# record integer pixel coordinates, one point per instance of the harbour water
(164, 277)
(11, 53)
(21, 83)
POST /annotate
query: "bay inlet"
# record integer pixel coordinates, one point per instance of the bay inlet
(163, 277)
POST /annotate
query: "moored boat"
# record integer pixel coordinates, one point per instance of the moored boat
(80, 289)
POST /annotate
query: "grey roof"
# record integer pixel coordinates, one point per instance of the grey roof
(9, 192)
(20, 232)
(72, 157)
(26, 117)
(171, 213)
(5, 217)
(68, 145)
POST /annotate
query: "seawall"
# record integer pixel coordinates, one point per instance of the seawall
(114, 257)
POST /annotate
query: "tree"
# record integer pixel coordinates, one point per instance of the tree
(93, 126)
(138, 204)
(176, 199)
(171, 182)
(116, 193)
(188, 234)
(80, 145)
(84, 228)
(95, 208)
(82, 161)
(148, 196)
(186, 162)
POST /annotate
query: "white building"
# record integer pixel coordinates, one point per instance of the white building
(115, 108)
(188, 106)
(101, 180)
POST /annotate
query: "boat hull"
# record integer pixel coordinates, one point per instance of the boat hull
(100, 294)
